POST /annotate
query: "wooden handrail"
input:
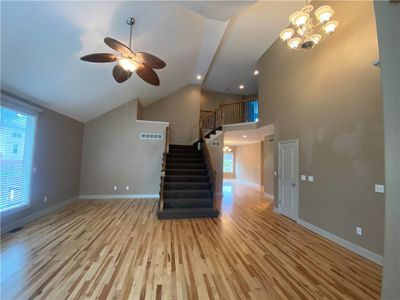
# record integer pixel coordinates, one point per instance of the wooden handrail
(208, 160)
(240, 101)
(164, 164)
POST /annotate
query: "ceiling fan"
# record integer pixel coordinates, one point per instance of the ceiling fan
(128, 61)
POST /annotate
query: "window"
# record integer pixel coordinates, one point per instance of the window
(16, 153)
(228, 162)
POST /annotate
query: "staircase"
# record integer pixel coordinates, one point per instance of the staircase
(187, 189)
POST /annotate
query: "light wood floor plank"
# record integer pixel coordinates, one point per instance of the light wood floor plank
(117, 249)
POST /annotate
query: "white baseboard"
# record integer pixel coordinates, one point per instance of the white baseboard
(36, 215)
(110, 197)
(342, 242)
(269, 195)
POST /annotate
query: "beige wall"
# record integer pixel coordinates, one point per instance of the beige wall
(248, 163)
(330, 99)
(217, 157)
(57, 159)
(388, 24)
(182, 110)
(212, 100)
(268, 167)
(114, 155)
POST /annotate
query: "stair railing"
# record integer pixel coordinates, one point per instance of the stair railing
(164, 164)
(213, 173)
(231, 113)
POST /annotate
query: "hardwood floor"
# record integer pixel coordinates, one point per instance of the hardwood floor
(117, 249)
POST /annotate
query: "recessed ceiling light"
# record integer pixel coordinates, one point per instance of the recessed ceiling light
(199, 77)
(245, 136)
(241, 86)
(256, 72)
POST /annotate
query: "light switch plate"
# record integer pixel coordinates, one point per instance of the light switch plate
(310, 178)
(275, 173)
(379, 188)
(359, 230)
(303, 177)
(115, 188)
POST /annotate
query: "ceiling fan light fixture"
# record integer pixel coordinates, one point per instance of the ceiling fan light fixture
(128, 64)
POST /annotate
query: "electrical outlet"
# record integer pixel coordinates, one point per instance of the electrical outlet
(45, 199)
(379, 188)
(303, 177)
(115, 188)
(359, 230)
(34, 169)
(127, 187)
(310, 178)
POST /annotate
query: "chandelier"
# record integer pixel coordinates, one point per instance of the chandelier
(309, 31)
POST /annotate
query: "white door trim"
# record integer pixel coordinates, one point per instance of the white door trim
(280, 143)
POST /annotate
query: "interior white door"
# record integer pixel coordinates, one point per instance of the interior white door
(288, 178)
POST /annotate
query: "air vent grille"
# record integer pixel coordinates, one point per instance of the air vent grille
(151, 136)
(216, 144)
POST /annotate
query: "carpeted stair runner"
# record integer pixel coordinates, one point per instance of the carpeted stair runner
(187, 186)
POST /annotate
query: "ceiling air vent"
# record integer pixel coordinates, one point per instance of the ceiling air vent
(151, 136)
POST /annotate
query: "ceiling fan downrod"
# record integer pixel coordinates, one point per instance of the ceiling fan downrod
(130, 21)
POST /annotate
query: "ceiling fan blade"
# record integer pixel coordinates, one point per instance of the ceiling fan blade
(151, 60)
(148, 75)
(117, 46)
(120, 74)
(99, 57)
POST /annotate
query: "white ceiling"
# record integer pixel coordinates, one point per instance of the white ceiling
(248, 36)
(239, 137)
(41, 43)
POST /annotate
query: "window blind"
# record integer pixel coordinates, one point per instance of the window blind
(16, 154)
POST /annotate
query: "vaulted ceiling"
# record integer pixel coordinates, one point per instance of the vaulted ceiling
(41, 43)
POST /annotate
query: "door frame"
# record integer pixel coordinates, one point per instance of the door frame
(280, 143)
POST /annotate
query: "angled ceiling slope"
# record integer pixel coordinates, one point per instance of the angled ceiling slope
(248, 36)
(41, 43)
(40, 55)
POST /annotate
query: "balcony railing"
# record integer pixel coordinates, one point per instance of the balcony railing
(239, 112)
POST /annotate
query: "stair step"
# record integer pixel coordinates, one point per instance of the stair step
(184, 150)
(175, 146)
(185, 178)
(185, 166)
(186, 213)
(185, 155)
(187, 194)
(186, 172)
(185, 160)
(186, 186)
(187, 203)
